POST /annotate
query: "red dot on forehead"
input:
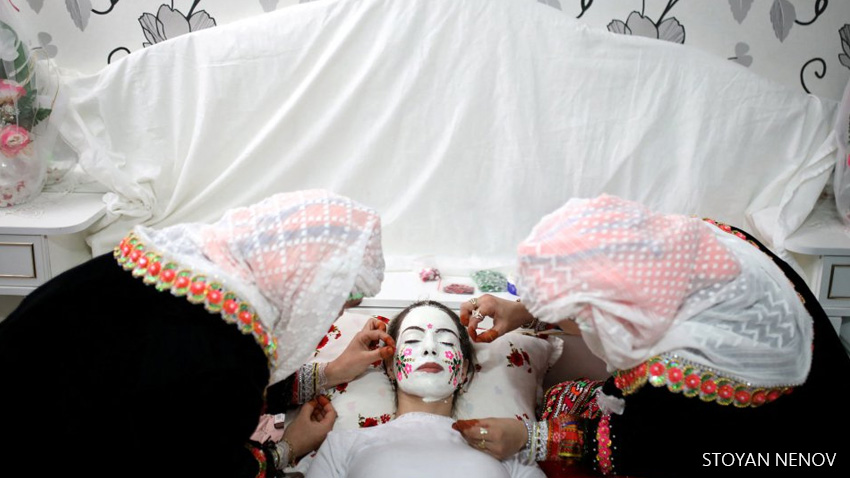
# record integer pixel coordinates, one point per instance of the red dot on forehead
(430, 326)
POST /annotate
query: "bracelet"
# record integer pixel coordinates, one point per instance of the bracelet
(284, 447)
(529, 325)
(542, 439)
(276, 457)
(528, 443)
(321, 378)
(305, 389)
(533, 452)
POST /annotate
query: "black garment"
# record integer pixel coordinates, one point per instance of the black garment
(102, 375)
(662, 433)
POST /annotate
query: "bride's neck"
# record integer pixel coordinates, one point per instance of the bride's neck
(412, 403)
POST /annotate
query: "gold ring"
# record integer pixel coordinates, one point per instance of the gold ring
(483, 444)
(474, 302)
(482, 430)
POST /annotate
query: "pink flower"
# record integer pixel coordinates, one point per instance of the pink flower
(449, 354)
(13, 139)
(10, 91)
(407, 352)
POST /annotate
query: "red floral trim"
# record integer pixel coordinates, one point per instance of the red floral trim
(147, 264)
(262, 464)
(603, 448)
(692, 380)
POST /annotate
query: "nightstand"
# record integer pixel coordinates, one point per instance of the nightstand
(825, 236)
(45, 237)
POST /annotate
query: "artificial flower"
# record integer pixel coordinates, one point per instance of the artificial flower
(13, 139)
(10, 91)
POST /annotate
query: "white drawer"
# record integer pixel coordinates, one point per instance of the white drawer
(839, 282)
(22, 263)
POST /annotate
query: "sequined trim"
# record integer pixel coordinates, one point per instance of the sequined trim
(604, 460)
(147, 264)
(693, 380)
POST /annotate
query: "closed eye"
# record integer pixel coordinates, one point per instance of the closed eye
(450, 344)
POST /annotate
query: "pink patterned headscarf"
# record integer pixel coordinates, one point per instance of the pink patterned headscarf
(294, 256)
(641, 284)
(619, 257)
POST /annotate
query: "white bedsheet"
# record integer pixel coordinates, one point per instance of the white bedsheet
(462, 122)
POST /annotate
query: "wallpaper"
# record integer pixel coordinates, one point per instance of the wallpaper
(804, 44)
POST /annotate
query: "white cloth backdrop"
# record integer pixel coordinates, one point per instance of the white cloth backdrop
(462, 122)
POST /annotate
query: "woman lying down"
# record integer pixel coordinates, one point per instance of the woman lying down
(434, 360)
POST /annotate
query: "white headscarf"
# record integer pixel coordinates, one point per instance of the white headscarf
(295, 257)
(641, 284)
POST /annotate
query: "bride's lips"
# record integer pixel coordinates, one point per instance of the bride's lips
(430, 367)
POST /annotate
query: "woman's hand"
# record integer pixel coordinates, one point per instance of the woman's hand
(507, 315)
(310, 427)
(361, 352)
(498, 437)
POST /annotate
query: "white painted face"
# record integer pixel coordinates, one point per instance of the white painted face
(429, 361)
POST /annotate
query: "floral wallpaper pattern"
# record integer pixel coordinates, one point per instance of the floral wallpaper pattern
(802, 43)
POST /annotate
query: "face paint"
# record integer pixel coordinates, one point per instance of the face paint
(429, 362)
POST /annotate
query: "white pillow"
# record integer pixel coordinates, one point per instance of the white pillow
(507, 382)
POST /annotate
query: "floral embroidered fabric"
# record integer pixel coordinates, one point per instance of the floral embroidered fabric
(148, 265)
(693, 380)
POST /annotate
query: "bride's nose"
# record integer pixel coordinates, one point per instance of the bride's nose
(429, 345)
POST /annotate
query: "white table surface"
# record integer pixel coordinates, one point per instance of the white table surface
(53, 214)
(400, 288)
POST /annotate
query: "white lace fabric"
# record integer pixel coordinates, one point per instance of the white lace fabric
(641, 284)
(295, 257)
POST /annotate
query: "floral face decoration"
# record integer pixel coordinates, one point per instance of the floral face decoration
(429, 362)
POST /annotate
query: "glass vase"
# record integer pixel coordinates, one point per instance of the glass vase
(23, 166)
(28, 90)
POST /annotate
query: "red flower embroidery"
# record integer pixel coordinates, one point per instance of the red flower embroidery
(322, 343)
(341, 387)
(366, 422)
(333, 333)
(518, 358)
(515, 359)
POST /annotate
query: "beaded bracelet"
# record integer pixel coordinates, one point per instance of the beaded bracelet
(526, 449)
(542, 441)
(533, 452)
(311, 381)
